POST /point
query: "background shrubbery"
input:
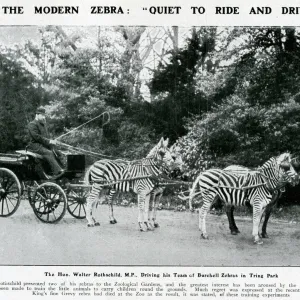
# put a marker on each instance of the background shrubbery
(225, 95)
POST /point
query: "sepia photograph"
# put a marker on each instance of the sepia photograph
(149, 146)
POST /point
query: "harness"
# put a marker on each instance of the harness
(267, 182)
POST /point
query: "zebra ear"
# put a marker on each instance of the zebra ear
(172, 148)
(161, 143)
(166, 142)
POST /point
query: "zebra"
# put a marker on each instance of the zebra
(157, 192)
(241, 170)
(140, 176)
(255, 187)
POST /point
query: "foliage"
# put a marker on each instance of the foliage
(227, 95)
(237, 133)
(173, 85)
(19, 96)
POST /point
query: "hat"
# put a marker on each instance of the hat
(41, 110)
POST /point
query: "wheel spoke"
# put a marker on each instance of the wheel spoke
(45, 198)
(11, 197)
(10, 184)
(10, 190)
(52, 197)
(75, 207)
(7, 198)
(77, 202)
(40, 205)
(45, 192)
(52, 202)
(2, 206)
(6, 202)
(75, 194)
(4, 183)
(84, 209)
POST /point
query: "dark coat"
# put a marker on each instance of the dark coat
(39, 135)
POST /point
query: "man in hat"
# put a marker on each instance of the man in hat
(41, 143)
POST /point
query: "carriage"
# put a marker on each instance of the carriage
(24, 173)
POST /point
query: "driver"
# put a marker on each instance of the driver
(41, 143)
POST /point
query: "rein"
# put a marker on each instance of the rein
(103, 114)
(83, 151)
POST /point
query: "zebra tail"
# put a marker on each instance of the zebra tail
(87, 176)
(193, 190)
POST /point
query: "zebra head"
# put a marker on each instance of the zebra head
(296, 164)
(279, 171)
(162, 155)
(288, 164)
(178, 162)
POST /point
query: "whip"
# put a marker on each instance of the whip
(91, 153)
(103, 114)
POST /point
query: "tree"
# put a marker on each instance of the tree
(19, 97)
(173, 85)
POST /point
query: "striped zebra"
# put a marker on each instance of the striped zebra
(157, 192)
(241, 170)
(255, 187)
(138, 176)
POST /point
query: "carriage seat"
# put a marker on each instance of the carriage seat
(29, 153)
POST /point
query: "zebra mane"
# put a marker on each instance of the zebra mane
(237, 168)
(283, 157)
(277, 160)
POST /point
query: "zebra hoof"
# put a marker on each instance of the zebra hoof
(97, 224)
(90, 225)
(150, 228)
(204, 236)
(113, 221)
(142, 228)
(156, 225)
(264, 235)
(258, 242)
(235, 232)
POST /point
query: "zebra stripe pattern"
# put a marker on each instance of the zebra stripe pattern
(255, 187)
(241, 170)
(157, 192)
(138, 176)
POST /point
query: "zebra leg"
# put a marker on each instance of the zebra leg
(141, 216)
(110, 197)
(207, 201)
(91, 202)
(146, 212)
(258, 211)
(154, 200)
(232, 226)
(268, 211)
(151, 207)
(94, 205)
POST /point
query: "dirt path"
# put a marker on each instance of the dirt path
(27, 241)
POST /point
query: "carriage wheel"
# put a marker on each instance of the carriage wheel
(77, 202)
(49, 202)
(10, 192)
